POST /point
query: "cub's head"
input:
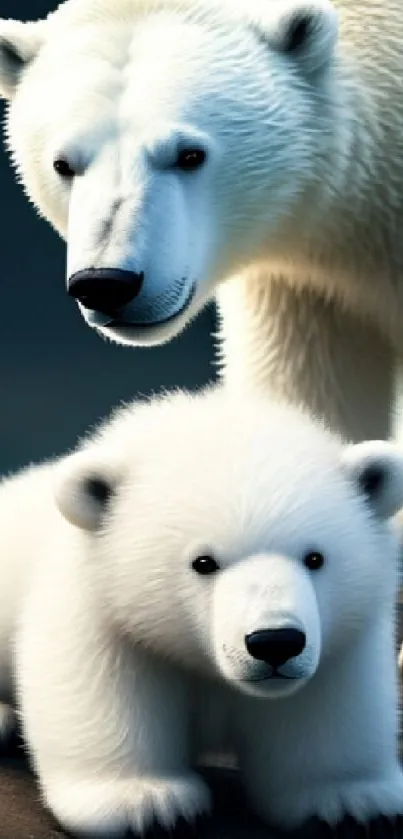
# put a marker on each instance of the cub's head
(237, 539)
(170, 144)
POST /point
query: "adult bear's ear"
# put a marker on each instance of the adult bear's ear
(377, 471)
(84, 485)
(19, 44)
(304, 30)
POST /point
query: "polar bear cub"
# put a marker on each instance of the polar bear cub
(212, 552)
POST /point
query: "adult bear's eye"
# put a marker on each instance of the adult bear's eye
(314, 560)
(299, 32)
(205, 564)
(190, 159)
(63, 168)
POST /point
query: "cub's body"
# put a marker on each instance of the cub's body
(220, 573)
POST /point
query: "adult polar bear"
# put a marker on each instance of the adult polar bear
(178, 143)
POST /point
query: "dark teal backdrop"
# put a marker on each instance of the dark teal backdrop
(57, 377)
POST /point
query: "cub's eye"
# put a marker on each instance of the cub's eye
(314, 561)
(205, 564)
(98, 489)
(63, 168)
(190, 159)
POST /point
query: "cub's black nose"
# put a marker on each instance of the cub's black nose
(275, 646)
(104, 290)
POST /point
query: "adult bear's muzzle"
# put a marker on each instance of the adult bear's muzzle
(105, 290)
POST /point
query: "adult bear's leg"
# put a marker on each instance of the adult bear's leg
(298, 346)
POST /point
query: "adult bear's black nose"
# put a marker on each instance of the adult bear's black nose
(104, 290)
(275, 646)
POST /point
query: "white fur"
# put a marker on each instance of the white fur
(300, 200)
(303, 180)
(120, 647)
(120, 117)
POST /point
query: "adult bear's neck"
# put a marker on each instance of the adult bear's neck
(296, 345)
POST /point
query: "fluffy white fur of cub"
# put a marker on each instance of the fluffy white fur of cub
(217, 558)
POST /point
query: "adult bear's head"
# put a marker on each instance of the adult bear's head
(169, 142)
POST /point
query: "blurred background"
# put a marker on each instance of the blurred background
(57, 376)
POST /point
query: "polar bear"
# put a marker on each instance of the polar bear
(262, 148)
(216, 559)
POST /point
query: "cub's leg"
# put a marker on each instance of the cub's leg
(106, 725)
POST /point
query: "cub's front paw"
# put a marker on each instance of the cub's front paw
(105, 808)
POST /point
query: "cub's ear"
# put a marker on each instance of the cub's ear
(304, 30)
(377, 470)
(84, 485)
(19, 44)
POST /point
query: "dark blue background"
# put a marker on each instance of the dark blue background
(56, 375)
